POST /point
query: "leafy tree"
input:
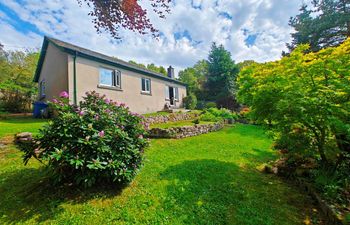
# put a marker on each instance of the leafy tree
(328, 24)
(305, 99)
(111, 15)
(152, 67)
(221, 76)
(16, 86)
(195, 78)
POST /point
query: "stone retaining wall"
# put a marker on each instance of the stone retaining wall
(172, 117)
(185, 131)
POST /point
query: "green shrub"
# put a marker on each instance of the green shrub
(99, 141)
(190, 101)
(196, 121)
(209, 105)
(214, 114)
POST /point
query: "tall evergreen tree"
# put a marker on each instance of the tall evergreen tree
(222, 72)
(328, 24)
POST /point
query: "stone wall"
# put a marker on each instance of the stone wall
(172, 117)
(185, 131)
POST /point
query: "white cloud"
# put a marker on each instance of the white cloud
(229, 22)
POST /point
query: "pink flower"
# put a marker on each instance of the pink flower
(97, 117)
(107, 101)
(122, 104)
(81, 113)
(64, 94)
(140, 136)
(54, 101)
(101, 133)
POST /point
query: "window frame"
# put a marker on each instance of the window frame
(115, 78)
(150, 85)
(42, 89)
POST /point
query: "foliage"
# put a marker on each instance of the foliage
(176, 186)
(209, 105)
(221, 77)
(17, 90)
(181, 123)
(195, 78)
(99, 141)
(326, 25)
(190, 101)
(215, 114)
(304, 98)
(196, 121)
(129, 14)
(151, 67)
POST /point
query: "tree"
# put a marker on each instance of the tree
(195, 78)
(325, 26)
(305, 99)
(16, 81)
(151, 67)
(111, 15)
(221, 76)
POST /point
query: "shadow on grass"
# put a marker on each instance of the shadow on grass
(215, 192)
(27, 194)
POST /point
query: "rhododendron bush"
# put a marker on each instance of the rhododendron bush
(96, 142)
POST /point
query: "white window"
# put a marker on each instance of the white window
(42, 89)
(110, 77)
(176, 94)
(167, 96)
(146, 85)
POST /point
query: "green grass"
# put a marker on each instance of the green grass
(177, 124)
(155, 114)
(12, 125)
(207, 179)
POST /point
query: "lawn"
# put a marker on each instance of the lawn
(177, 124)
(208, 179)
(12, 125)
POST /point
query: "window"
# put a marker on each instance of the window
(167, 96)
(176, 90)
(172, 92)
(42, 89)
(145, 85)
(110, 77)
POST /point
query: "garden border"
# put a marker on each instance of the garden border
(184, 131)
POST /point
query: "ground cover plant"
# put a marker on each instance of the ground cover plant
(304, 99)
(179, 124)
(208, 179)
(99, 141)
(214, 115)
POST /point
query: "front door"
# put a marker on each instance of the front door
(171, 95)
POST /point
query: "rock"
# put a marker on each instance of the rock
(23, 137)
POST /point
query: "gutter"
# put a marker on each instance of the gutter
(75, 78)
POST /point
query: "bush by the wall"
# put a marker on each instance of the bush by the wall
(190, 101)
(214, 114)
(99, 141)
(209, 105)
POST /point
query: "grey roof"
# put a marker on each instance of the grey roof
(92, 55)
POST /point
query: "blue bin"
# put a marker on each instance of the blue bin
(39, 108)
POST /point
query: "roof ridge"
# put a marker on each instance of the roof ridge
(109, 56)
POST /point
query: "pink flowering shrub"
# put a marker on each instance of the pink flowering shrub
(96, 142)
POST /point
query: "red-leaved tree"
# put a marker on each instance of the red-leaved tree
(111, 15)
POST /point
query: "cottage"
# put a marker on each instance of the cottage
(66, 67)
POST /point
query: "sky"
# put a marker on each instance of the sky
(249, 29)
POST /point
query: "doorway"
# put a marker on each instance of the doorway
(171, 95)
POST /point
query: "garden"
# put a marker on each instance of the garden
(207, 179)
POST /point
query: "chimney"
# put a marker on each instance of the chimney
(171, 73)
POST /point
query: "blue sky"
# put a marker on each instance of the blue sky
(249, 29)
